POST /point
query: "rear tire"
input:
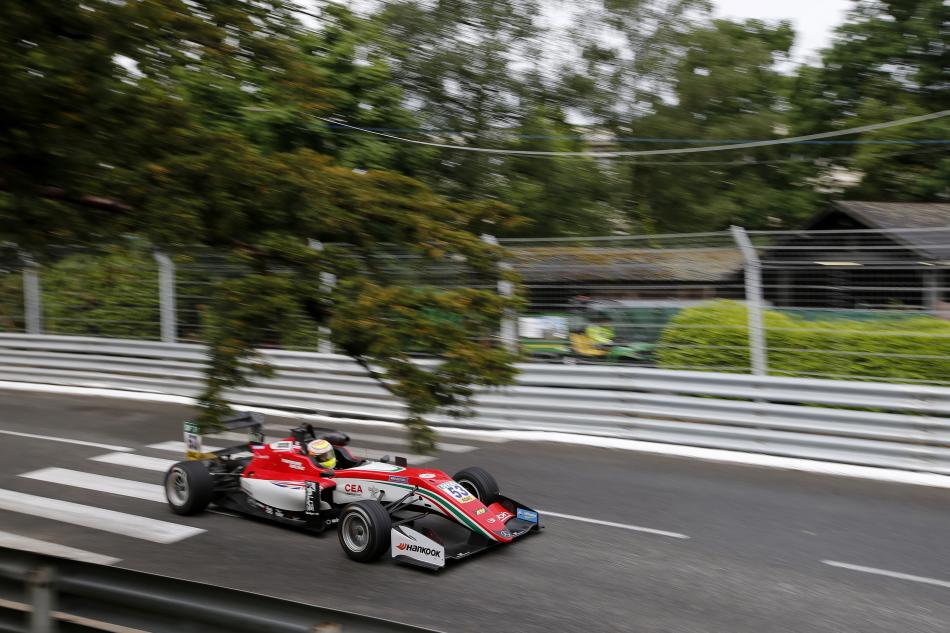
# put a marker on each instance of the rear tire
(189, 487)
(364, 530)
(479, 482)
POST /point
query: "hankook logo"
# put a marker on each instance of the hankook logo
(406, 547)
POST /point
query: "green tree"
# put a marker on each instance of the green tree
(889, 60)
(556, 196)
(727, 86)
(178, 121)
(494, 73)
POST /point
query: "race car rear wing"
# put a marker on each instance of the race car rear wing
(252, 421)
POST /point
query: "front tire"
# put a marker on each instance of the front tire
(479, 482)
(364, 530)
(189, 487)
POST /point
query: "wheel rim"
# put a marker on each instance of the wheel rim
(471, 487)
(176, 487)
(355, 530)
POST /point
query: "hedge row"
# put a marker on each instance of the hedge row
(714, 337)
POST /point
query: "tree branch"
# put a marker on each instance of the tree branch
(59, 193)
(95, 202)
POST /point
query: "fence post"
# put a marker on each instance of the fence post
(32, 298)
(166, 297)
(932, 291)
(327, 283)
(40, 587)
(753, 300)
(508, 332)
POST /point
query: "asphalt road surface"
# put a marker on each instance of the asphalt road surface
(675, 544)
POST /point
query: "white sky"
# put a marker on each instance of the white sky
(814, 20)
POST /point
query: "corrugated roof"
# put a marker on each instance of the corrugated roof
(905, 215)
(551, 264)
(899, 215)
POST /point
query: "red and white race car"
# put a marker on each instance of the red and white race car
(422, 516)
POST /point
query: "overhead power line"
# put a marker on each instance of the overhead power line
(637, 139)
(655, 152)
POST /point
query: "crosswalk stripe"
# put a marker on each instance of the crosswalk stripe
(135, 461)
(66, 440)
(97, 518)
(99, 483)
(27, 544)
(399, 441)
(179, 447)
(374, 454)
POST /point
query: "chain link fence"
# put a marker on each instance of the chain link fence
(852, 304)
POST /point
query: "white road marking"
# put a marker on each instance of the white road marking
(99, 483)
(179, 447)
(873, 473)
(25, 543)
(890, 574)
(491, 437)
(96, 518)
(374, 454)
(623, 526)
(135, 461)
(66, 440)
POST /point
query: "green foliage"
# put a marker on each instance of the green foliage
(889, 60)
(482, 73)
(113, 294)
(11, 301)
(714, 337)
(197, 122)
(727, 86)
(206, 122)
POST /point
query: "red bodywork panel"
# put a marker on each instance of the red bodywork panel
(286, 461)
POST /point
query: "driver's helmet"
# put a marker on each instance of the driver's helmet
(322, 453)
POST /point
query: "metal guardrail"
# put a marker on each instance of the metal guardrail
(42, 594)
(868, 423)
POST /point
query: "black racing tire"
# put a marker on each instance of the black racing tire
(479, 482)
(364, 530)
(189, 487)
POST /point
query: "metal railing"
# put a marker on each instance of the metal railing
(855, 304)
(42, 594)
(876, 424)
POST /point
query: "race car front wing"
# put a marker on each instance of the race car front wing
(410, 546)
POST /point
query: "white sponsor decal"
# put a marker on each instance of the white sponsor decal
(293, 464)
(283, 445)
(427, 476)
(457, 491)
(407, 543)
(353, 489)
